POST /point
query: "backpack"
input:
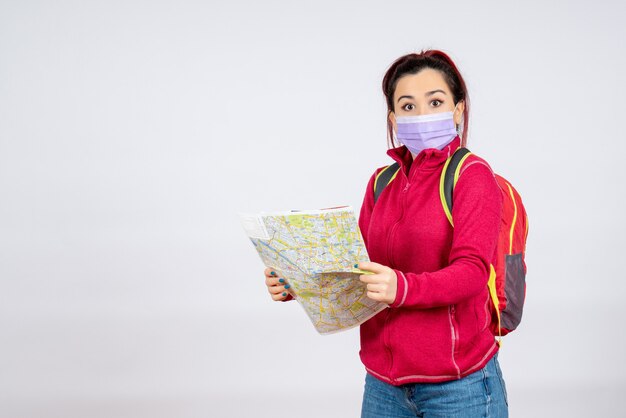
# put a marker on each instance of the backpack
(507, 279)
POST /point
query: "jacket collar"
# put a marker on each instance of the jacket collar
(430, 158)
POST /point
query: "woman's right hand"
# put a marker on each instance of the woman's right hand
(275, 285)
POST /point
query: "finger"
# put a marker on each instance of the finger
(275, 281)
(375, 296)
(280, 296)
(274, 290)
(376, 288)
(270, 272)
(371, 278)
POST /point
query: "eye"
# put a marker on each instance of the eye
(408, 107)
(436, 103)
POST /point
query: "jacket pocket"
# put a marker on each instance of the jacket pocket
(454, 334)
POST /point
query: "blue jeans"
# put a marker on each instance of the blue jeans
(480, 394)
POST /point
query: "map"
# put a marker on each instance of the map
(315, 251)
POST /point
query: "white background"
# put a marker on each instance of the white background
(133, 132)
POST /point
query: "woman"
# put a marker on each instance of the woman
(431, 353)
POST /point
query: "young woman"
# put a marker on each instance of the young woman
(431, 353)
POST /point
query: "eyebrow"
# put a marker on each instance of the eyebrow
(430, 93)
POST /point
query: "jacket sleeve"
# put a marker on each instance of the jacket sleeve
(367, 206)
(476, 212)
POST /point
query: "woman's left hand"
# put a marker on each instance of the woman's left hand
(382, 285)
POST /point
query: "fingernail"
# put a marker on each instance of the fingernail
(273, 273)
(287, 286)
(284, 293)
(281, 280)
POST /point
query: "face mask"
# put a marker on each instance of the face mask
(426, 131)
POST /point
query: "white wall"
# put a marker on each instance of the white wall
(132, 132)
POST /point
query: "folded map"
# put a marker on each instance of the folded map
(315, 251)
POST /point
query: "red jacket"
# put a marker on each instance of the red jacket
(437, 329)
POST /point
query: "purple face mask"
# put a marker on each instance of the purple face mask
(420, 132)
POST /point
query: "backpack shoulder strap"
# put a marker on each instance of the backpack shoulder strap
(449, 177)
(383, 178)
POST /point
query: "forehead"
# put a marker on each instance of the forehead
(420, 83)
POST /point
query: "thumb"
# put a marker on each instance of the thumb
(370, 266)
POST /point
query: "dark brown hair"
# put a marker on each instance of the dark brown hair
(414, 63)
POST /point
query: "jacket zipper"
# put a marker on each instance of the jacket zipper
(404, 194)
(395, 225)
(389, 255)
(454, 335)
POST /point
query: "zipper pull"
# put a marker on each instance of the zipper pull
(406, 187)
